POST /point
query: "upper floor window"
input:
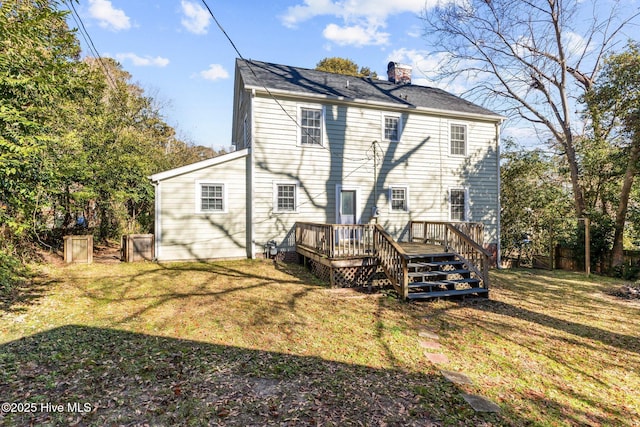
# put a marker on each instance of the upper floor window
(458, 136)
(391, 128)
(458, 204)
(311, 125)
(211, 197)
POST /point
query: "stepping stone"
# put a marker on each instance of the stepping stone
(428, 334)
(456, 377)
(480, 404)
(432, 345)
(436, 358)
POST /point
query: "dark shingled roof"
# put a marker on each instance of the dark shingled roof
(320, 83)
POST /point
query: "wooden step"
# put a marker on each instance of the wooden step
(441, 263)
(448, 293)
(436, 273)
(469, 280)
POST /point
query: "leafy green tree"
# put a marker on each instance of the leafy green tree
(38, 73)
(536, 202)
(344, 66)
(615, 105)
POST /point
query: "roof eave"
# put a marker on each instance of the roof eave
(198, 165)
(490, 117)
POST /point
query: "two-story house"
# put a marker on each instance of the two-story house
(318, 147)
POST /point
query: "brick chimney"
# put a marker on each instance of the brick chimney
(399, 73)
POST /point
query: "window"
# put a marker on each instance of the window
(310, 126)
(458, 205)
(399, 198)
(458, 140)
(211, 197)
(391, 128)
(285, 197)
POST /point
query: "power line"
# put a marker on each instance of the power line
(87, 38)
(249, 64)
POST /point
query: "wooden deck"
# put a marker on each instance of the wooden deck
(440, 258)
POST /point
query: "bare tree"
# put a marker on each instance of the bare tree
(529, 59)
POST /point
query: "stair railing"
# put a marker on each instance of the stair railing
(469, 251)
(465, 239)
(393, 260)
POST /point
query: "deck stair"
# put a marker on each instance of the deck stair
(441, 275)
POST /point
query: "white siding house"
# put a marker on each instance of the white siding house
(327, 148)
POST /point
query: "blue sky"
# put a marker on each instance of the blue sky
(177, 53)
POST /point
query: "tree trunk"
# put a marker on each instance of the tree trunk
(617, 256)
(578, 195)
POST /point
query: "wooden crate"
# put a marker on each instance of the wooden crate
(78, 249)
(138, 247)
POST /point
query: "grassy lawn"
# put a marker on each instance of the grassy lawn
(253, 343)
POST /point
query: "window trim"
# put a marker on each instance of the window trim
(466, 139)
(323, 127)
(466, 210)
(296, 194)
(198, 197)
(406, 198)
(383, 122)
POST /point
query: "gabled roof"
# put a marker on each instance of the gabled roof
(199, 165)
(320, 84)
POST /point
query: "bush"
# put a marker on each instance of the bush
(12, 272)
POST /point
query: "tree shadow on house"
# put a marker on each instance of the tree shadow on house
(107, 376)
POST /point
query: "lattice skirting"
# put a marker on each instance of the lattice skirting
(349, 277)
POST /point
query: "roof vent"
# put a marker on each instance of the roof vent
(399, 73)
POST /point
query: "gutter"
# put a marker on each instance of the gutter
(435, 111)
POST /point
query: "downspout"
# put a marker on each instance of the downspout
(156, 219)
(250, 183)
(498, 248)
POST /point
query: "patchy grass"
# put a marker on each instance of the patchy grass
(553, 348)
(253, 343)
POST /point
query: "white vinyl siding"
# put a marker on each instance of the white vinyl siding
(422, 160)
(185, 233)
(458, 138)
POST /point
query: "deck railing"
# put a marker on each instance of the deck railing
(342, 241)
(336, 241)
(463, 238)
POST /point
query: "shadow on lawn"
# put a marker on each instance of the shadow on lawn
(571, 296)
(129, 378)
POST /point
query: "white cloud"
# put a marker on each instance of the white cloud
(214, 72)
(362, 21)
(355, 35)
(140, 61)
(196, 18)
(108, 16)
